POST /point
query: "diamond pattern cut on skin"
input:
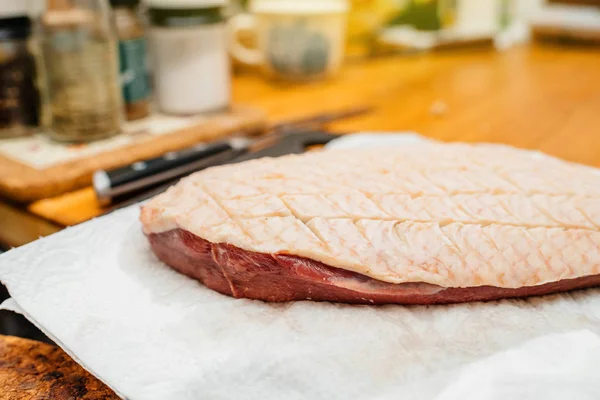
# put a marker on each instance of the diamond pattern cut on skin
(453, 215)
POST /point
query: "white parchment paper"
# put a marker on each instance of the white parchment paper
(151, 333)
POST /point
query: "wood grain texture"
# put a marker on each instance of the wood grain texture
(34, 370)
(538, 97)
(24, 183)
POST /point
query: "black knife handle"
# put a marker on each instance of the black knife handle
(141, 174)
(143, 169)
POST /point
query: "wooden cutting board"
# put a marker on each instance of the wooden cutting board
(35, 370)
(28, 180)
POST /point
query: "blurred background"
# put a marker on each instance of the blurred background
(100, 100)
(87, 66)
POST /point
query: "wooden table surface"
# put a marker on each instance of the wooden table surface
(33, 370)
(538, 96)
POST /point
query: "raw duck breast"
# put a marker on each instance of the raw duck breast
(425, 224)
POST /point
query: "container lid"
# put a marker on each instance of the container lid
(296, 6)
(15, 28)
(185, 4)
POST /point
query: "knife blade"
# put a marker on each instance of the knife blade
(291, 144)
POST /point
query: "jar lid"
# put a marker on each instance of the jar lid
(15, 28)
(185, 4)
(194, 15)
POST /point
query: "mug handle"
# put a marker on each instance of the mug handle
(237, 24)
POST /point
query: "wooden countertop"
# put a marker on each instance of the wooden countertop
(538, 96)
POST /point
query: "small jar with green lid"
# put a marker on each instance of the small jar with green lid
(132, 58)
(190, 58)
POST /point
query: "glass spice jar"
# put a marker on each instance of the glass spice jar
(19, 95)
(132, 56)
(80, 54)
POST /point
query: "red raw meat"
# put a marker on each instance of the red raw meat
(280, 277)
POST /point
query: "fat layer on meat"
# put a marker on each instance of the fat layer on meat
(451, 215)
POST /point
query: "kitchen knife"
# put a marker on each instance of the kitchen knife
(111, 184)
(114, 184)
(292, 144)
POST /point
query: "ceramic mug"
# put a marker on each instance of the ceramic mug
(296, 39)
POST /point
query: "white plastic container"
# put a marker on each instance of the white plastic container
(189, 49)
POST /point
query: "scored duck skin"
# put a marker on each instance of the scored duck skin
(430, 223)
